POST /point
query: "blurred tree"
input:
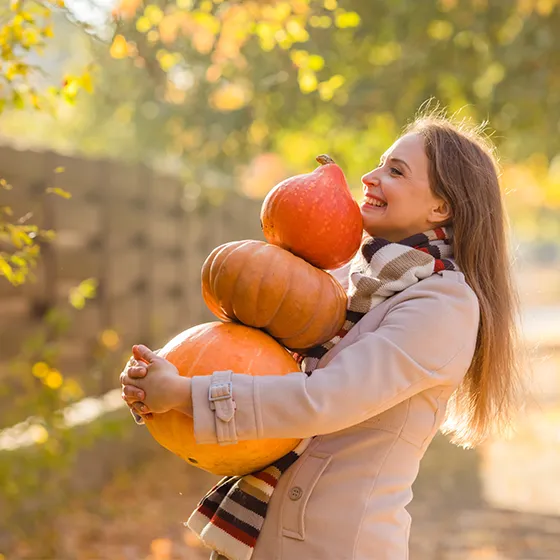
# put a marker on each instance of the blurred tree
(25, 29)
(215, 88)
(33, 389)
(214, 84)
(218, 80)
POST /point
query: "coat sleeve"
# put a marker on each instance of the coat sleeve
(426, 339)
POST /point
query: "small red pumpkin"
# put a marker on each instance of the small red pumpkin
(264, 286)
(314, 216)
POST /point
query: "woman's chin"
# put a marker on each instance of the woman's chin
(375, 228)
(373, 220)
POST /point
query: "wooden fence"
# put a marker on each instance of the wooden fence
(129, 228)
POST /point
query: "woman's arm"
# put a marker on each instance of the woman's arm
(426, 339)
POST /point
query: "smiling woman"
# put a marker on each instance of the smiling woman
(428, 344)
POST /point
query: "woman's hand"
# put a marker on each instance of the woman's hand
(154, 385)
(133, 396)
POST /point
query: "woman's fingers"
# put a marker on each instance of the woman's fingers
(132, 394)
(141, 408)
(126, 379)
(143, 353)
(137, 372)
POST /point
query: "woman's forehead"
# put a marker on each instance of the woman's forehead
(411, 144)
(409, 148)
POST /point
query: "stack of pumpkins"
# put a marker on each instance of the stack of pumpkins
(270, 298)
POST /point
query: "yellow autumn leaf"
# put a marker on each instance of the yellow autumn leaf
(440, 30)
(87, 82)
(296, 31)
(154, 14)
(152, 36)
(143, 24)
(71, 390)
(299, 58)
(53, 379)
(88, 288)
(110, 339)
(323, 22)
(167, 60)
(119, 48)
(127, 8)
(85, 290)
(39, 433)
(347, 19)
(316, 62)
(40, 370)
(230, 97)
(6, 270)
(169, 28)
(58, 191)
(307, 81)
(77, 300)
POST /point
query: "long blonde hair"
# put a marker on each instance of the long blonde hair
(463, 171)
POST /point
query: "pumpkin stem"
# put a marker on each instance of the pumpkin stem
(323, 159)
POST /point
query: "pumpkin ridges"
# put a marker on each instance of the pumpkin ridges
(310, 272)
(308, 334)
(208, 295)
(224, 300)
(287, 288)
(230, 282)
(312, 318)
(249, 315)
(215, 263)
(338, 307)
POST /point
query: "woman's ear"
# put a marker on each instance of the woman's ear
(441, 212)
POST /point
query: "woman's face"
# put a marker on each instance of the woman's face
(398, 201)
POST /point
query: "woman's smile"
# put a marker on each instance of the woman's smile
(372, 202)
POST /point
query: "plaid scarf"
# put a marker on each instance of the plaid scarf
(231, 515)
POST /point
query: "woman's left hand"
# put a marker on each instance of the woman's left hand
(158, 379)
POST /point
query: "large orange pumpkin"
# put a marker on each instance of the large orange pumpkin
(314, 216)
(202, 350)
(264, 286)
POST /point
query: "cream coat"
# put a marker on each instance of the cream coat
(375, 404)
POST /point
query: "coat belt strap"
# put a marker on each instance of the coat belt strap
(220, 395)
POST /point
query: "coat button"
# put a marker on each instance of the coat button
(295, 493)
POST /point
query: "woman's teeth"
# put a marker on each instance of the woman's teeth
(374, 201)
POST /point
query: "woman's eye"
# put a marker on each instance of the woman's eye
(395, 171)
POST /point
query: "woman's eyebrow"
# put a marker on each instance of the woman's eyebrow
(398, 160)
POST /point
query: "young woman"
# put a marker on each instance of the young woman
(429, 345)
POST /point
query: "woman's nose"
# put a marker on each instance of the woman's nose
(370, 179)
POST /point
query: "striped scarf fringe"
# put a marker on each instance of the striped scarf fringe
(230, 517)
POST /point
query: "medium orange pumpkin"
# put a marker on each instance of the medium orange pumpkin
(264, 286)
(314, 216)
(202, 350)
